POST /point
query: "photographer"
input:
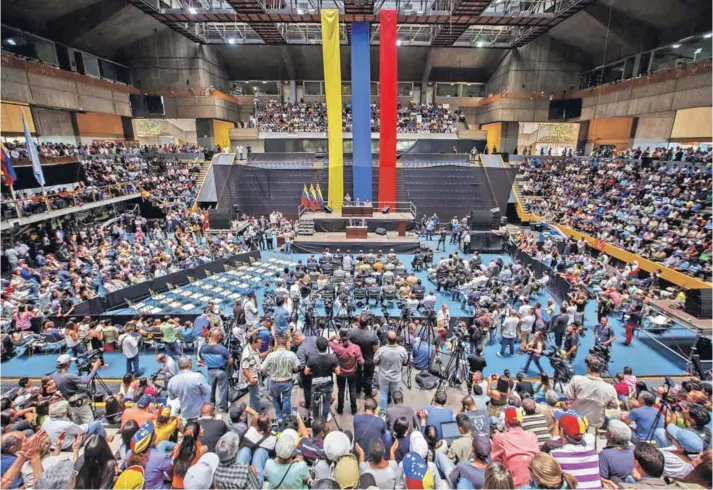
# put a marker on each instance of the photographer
(534, 351)
(603, 335)
(350, 358)
(571, 342)
(68, 384)
(591, 395)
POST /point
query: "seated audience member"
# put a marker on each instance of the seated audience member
(231, 473)
(546, 472)
(644, 417)
(368, 425)
(577, 451)
(187, 453)
(472, 471)
(437, 413)
(616, 461)
(59, 423)
(141, 413)
(96, 468)
(398, 409)
(212, 428)
(515, 448)
(649, 466)
(478, 415)
(284, 471)
(386, 472)
(497, 476)
(534, 422)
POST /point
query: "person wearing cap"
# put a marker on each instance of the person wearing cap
(170, 367)
(144, 454)
(684, 445)
(471, 471)
(200, 475)
(284, 471)
(693, 416)
(230, 473)
(141, 413)
(577, 455)
(189, 388)
(68, 384)
(58, 423)
(515, 447)
(217, 359)
(616, 461)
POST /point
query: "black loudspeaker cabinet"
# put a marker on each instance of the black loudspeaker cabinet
(220, 218)
(481, 220)
(698, 303)
(327, 209)
(439, 364)
(385, 209)
(380, 231)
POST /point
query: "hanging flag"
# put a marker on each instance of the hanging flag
(7, 169)
(320, 199)
(305, 197)
(34, 156)
(313, 197)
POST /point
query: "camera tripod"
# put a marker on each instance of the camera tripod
(454, 373)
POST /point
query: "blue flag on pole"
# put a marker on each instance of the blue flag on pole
(32, 152)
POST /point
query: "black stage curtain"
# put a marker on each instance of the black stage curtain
(99, 305)
(557, 286)
(333, 225)
(315, 247)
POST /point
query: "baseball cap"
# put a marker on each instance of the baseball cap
(64, 359)
(573, 424)
(285, 446)
(144, 401)
(346, 471)
(131, 478)
(482, 445)
(513, 415)
(142, 439)
(688, 440)
(336, 444)
(164, 412)
(200, 475)
(250, 292)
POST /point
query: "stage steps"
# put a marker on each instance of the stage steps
(306, 227)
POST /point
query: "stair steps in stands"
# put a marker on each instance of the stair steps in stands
(205, 166)
(306, 226)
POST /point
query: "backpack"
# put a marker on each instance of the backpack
(426, 381)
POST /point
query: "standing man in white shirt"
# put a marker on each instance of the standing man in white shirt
(508, 331)
(129, 345)
(252, 314)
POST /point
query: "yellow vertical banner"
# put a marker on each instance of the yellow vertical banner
(333, 92)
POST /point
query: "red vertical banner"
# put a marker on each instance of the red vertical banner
(388, 100)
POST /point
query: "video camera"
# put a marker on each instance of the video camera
(84, 361)
(602, 351)
(561, 365)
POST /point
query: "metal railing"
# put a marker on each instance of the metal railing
(45, 203)
(395, 207)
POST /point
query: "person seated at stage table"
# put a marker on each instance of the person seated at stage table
(347, 199)
(367, 202)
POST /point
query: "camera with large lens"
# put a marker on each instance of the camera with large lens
(561, 365)
(601, 350)
(84, 361)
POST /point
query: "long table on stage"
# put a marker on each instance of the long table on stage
(357, 232)
(358, 210)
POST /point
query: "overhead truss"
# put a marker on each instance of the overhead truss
(458, 23)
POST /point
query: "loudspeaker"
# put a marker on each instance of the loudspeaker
(326, 208)
(698, 303)
(481, 220)
(219, 219)
(385, 209)
(704, 348)
(440, 361)
(380, 231)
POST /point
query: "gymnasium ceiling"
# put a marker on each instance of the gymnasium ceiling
(593, 30)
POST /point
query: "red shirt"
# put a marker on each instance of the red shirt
(515, 449)
(622, 389)
(349, 356)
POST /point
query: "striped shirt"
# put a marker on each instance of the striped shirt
(281, 364)
(582, 462)
(537, 423)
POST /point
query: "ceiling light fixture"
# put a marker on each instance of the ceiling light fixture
(231, 40)
(192, 10)
(675, 46)
(708, 36)
(480, 44)
(398, 42)
(11, 42)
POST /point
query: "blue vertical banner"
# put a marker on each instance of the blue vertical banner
(361, 110)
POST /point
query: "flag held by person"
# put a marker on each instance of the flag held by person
(34, 156)
(8, 171)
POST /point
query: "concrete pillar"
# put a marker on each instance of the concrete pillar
(293, 91)
(508, 137)
(204, 133)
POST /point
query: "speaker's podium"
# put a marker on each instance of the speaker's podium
(357, 232)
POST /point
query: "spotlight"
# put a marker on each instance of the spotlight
(300, 12)
(675, 46)
(480, 44)
(192, 10)
(708, 36)
(231, 40)
(11, 42)
(398, 42)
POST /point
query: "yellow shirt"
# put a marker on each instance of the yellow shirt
(165, 431)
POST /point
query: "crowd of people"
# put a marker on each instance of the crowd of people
(653, 209)
(181, 430)
(691, 154)
(18, 149)
(276, 117)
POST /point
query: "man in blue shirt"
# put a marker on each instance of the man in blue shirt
(189, 388)
(421, 354)
(282, 317)
(644, 417)
(216, 358)
(11, 444)
(437, 413)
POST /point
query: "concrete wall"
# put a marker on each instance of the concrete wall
(505, 109)
(32, 88)
(654, 130)
(197, 107)
(543, 65)
(168, 59)
(654, 98)
(54, 125)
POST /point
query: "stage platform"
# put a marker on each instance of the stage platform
(335, 222)
(702, 325)
(319, 241)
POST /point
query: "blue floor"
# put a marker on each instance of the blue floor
(643, 356)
